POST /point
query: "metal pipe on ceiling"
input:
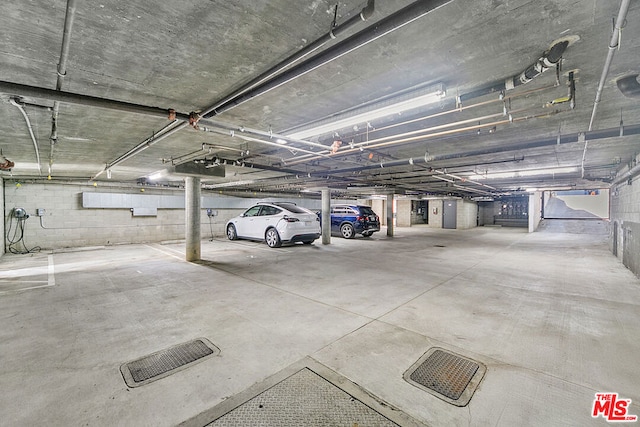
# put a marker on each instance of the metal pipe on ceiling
(548, 59)
(614, 44)
(78, 99)
(336, 31)
(88, 100)
(381, 28)
(630, 174)
(403, 140)
(172, 128)
(545, 142)
(375, 142)
(458, 109)
(62, 73)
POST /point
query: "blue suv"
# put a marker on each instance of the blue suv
(349, 220)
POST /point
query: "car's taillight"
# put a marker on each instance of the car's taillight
(289, 219)
(361, 218)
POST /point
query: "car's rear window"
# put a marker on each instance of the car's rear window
(292, 208)
(366, 210)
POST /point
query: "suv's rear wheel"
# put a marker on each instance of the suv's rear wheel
(272, 238)
(347, 231)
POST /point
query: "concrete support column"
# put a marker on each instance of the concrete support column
(326, 216)
(390, 215)
(192, 218)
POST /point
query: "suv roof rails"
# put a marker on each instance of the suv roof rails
(263, 202)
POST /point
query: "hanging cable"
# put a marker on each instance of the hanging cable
(15, 236)
(33, 138)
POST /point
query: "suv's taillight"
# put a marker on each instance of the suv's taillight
(289, 219)
(361, 218)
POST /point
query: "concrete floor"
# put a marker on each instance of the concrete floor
(553, 315)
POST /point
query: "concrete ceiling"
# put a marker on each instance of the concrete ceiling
(193, 55)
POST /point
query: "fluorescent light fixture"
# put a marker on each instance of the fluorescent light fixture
(374, 110)
(525, 173)
(155, 176)
(281, 141)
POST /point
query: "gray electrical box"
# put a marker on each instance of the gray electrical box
(39, 212)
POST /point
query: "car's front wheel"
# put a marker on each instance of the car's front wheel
(231, 232)
(272, 238)
(347, 231)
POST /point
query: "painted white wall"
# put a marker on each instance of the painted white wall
(596, 204)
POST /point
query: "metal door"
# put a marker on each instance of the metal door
(449, 214)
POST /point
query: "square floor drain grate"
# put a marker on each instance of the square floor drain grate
(303, 399)
(166, 362)
(450, 377)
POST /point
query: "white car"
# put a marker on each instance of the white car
(276, 223)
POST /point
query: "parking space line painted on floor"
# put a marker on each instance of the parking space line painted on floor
(10, 286)
(51, 277)
(167, 251)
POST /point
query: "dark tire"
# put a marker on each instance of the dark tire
(347, 231)
(272, 238)
(231, 232)
(308, 242)
(366, 234)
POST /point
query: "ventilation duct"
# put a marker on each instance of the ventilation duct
(629, 86)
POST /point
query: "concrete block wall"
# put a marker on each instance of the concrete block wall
(379, 208)
(435, 213)
(67, 224)
(467, 214)
(625, 223)
(403, 214)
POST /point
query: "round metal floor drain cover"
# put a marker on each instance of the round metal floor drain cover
(450, 377)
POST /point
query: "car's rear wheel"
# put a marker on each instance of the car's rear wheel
(231, 232)
(307, 242)
(347, 231)
(272, 238)
(367, 234)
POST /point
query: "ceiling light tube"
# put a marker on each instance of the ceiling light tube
(372, 111)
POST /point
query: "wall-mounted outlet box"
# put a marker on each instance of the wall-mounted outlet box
(39, 212)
